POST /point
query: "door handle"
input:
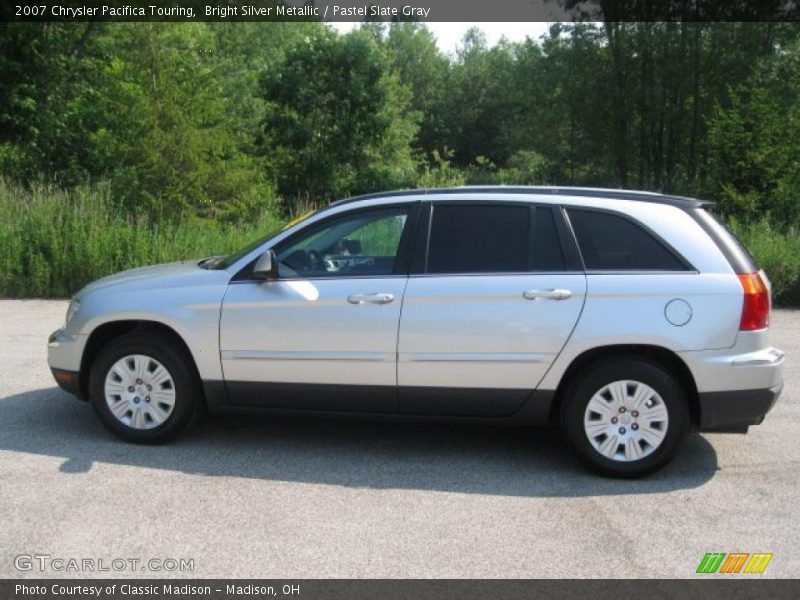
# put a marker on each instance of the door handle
(382, 298)
(556, 294)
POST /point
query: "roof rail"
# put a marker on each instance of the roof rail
(607, 193)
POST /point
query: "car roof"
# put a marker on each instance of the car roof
(588, 192)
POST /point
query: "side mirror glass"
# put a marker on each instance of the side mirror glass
(266, 266)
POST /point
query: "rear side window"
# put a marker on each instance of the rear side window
(610, 242)
(473, 238)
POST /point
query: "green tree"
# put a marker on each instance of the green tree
(480, 115)
(425, 70)
(42, 71)
(186, 159)
(563, 91)
(338, 119)
(155, 108)
(754, 163)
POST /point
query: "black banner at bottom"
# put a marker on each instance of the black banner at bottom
(388, 589)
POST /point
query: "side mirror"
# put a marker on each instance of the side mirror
(266, 266)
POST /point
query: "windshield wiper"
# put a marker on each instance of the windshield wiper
(210, 262)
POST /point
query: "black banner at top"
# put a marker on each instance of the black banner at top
(398, 10)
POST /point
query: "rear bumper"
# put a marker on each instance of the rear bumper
(735, 368)
(736, 386)
(735, 411)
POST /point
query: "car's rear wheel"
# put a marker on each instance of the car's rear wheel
(625, 417)
(143, 388)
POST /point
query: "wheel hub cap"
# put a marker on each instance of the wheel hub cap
(626, 420)
(139, 391)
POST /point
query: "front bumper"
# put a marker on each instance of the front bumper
(735, 411)
(69, 381)
(64, 352)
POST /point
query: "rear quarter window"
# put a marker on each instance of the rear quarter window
(738, 256)
(610, 242)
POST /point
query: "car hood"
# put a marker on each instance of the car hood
(176, 274)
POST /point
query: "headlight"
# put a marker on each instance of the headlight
(74, 305)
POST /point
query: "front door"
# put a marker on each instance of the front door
(323, 335)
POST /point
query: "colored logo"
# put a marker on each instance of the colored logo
(735, 562)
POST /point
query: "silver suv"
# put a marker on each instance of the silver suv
(625, 316)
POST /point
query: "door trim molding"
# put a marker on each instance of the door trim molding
(505, 357)
(310, 356)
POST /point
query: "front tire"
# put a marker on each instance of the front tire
(144, 389)
(625, 417)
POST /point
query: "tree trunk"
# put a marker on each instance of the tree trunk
(691, 170)
(621, 110)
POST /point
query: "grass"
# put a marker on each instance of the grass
(778, 253)
(53, 242)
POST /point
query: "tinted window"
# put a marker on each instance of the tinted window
(614, 243)
(357, 244)
(478, 239)
(547, 252)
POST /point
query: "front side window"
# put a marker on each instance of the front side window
(470, 238)
(613, 243)
(362, 244)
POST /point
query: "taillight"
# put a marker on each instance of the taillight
(755, 311)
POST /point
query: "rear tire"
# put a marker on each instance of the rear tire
(144, 388)
(625, 416)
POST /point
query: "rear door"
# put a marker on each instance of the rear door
(497, 296)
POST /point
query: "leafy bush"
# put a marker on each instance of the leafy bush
(440, 173)
(526, 167)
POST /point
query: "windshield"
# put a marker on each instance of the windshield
(223, 262)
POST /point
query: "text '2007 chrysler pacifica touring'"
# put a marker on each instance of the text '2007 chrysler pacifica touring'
(627, 317)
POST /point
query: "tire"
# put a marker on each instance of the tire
(625, 416)
(119, 392)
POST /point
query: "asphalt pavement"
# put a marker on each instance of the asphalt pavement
(306, 498)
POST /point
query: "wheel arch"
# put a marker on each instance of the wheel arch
(106, 332)
(659, 355)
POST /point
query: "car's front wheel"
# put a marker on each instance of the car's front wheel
(625, 417)
(143, 388)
